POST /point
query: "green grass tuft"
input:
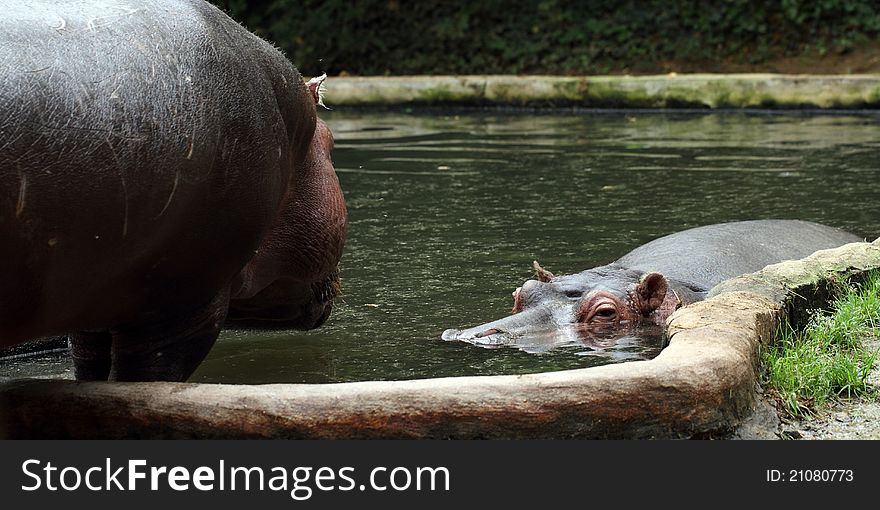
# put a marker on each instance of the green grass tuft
(828, 360)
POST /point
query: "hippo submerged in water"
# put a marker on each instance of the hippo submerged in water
(160, 168)
(645, 286)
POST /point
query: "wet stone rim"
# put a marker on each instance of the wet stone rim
(702, 384)
(658, 91)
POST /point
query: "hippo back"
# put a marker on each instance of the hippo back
(702, 257)
(145, 148)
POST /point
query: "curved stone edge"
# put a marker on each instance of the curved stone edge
(702, 384)
(659, 91)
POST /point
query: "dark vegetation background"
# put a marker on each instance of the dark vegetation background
(378, 37)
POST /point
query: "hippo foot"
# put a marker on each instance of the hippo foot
(90, 351)
(165, 348)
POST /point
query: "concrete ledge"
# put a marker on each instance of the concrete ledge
(702, 384)
(662, 91)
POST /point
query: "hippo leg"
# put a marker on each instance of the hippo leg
(90, 351)
(167, 348)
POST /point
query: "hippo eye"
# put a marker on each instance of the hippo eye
(605, 313)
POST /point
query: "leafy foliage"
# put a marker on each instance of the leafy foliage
(375, 37)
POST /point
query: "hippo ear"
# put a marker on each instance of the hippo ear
(542, 274)
(317, 88)
(652, 291)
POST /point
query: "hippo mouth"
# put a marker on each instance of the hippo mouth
(286, 305)
(491, 337)
(535, 339)
(507, 331)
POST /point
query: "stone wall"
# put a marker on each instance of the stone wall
(663, 91)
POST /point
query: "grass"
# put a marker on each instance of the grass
(828, 360)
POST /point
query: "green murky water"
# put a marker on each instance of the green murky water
(447, 213)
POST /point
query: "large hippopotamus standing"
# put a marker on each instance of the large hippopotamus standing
(160, 168)
(647, 284)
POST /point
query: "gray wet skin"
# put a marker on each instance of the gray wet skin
(647, 284)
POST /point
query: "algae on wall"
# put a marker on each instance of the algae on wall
(662, 91)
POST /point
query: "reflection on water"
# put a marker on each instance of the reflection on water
(611, 343)
(447, 214)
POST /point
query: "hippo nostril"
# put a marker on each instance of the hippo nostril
(488, 332)
(450, 334)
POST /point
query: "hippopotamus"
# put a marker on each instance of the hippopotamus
(644, 287)
(161, 169)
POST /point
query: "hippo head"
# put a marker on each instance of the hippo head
(602, 302)
(291, 281)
